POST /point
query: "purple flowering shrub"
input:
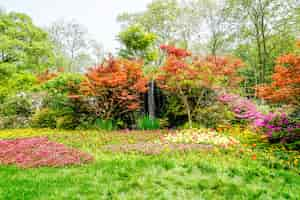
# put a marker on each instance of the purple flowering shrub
(38, 152)
(278, 127)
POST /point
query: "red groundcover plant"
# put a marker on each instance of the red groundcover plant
(116, 87)
(38, 152)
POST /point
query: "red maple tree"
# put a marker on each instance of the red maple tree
(182, 75)
(115, 86)
(285, 86)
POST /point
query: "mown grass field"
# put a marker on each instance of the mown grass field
(245, 172)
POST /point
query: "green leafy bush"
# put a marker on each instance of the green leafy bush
(16, 83)
(16, 111)
(64, 83)
(17, 105)
(45, 118)
(148, 123)
(14, 121)
(213, 115)
(66, 122)
(206, 111)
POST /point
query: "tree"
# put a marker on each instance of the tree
(70, 39)
(260, 25)
(97, 52)
(181, 78)
(137, 43)
(192, 80)
(115, 86)
(218, 29)
(23, 44)
(159, 18)
(285, 86)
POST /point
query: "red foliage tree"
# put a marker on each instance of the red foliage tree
(183, 75)
(285, 87)
(225, 68)
(116, 86)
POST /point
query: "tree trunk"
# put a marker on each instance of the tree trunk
(188, 110)
(151, 100)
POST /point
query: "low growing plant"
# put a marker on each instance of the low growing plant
(148, 123)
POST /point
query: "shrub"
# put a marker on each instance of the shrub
(64, 83)
(286, 80)
(45, 118)
(16, 111)
(214, 115)
(17, 83)
(115, 88)
(14, 121)
(20, 104)
(148, 123)
(70, 112)
(66, 122)
(277, 126)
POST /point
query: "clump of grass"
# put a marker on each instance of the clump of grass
(107, 125)
(148, 123)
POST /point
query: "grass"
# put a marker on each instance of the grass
(216, 174)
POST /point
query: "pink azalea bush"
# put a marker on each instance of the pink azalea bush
(38, 152)
(277, 126)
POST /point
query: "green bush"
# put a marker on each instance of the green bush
(63, 84)
(45, 118)
(14, 121)
(147, 123)
(66, 122)
(17, 105)
(16, 83)
(212, 116)
(16, 111)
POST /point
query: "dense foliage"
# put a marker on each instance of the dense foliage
(115, 88)
(285, 86)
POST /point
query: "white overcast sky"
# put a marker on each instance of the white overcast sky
(98, 16)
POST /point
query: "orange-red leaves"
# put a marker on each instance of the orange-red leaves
(286, 81)
(117, 84)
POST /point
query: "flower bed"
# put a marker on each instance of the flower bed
(38, 152)
(199, 136)
(149, 148)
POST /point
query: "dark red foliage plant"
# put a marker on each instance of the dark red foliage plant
(39, 152)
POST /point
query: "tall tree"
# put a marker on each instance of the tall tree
(260, 24)
(70, 39)
(23, 44)
(137, 43)
(159, 18)
(97, 52)
(218, 29)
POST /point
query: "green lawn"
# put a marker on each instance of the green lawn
(215, 174)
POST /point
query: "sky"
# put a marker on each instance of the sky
(98, 16)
